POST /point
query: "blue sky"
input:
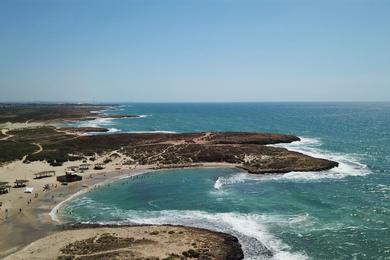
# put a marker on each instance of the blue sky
(123, 50)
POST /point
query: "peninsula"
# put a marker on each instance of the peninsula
(35, 138)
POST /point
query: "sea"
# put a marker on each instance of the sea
(342, 213)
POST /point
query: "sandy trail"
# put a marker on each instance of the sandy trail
(40, 148)
(5, 132)
(203, 139)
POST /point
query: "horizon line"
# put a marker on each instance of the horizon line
(183, 102)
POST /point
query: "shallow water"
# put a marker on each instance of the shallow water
(343, 213)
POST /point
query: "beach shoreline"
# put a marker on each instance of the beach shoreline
(40, 218)
(133, 242)
(28, 217)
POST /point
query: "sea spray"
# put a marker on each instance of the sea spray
(340, 214)
(250, 229)
(348, 164)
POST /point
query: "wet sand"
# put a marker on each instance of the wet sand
(35, 221)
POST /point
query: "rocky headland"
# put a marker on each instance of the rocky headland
(134, 242)
(34, 138)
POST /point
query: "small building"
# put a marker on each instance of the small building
(84, 166)
(70, 172)
(4, 187)
(45, 174)
(20, 183)
(69, 177)
(73, 168)
(99, 166)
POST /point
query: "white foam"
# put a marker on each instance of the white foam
(151, 132)
(250, 229)
(98, 122)
(234, 179)
(55, 210)
(96, 112)
(348, 164)
(110, 131)
(113, 130)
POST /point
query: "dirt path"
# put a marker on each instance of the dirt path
(203, 139)
(4, 132)
(40, 148)
(199, 140)
(162, 152)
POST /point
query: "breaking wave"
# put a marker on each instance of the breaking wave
(151, 132)
(251, 229)
(348, 164)
(98, 122)
(254, 230)
(113, 130)
(236, 178)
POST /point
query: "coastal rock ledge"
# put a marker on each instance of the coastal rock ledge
(250, 151)
(134, 242)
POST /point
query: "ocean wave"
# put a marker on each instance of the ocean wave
(113, 130)
(98, 122)
(54, 212)
(151, 132)
(251, 229)
(96, 112)
(234, 179)
(110, 131)
(348, 164)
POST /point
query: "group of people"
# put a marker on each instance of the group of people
(29, 201)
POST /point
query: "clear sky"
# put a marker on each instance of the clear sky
(216, 50)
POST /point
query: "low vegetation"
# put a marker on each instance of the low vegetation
(165, 149)
(20, 113)
(246, 150)
(11, 151)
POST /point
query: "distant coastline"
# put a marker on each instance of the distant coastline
(65, 147)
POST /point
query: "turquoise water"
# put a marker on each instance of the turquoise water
(343, 213)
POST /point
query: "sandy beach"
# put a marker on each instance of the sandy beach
(28, 213)
(34, 218)
(35, 215)
(29, 204)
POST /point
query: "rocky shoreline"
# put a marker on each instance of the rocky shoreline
(31, 147)
(249, 151)
(171, 242)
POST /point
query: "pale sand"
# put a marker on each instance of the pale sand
(12, 126)
(135, 242)
(16, 199)
(20, 228)
(34, 221)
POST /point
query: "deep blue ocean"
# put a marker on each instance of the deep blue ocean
(343, 213)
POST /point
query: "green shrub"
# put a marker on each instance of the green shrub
(191, 253)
